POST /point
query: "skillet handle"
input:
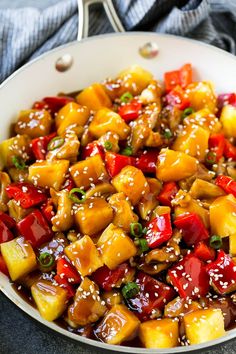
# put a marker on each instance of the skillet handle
(83, 23)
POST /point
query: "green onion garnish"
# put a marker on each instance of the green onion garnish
(136, 229)
(168, 134)
(55, 143)
(127, 151)
(187, 112)
(46, 259)
(18, 162)
(142, 244)
(108, 145)
(130, 290)
(74, 198)
(126, 97)
(210, 158)
(216, 242)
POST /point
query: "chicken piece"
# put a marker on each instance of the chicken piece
(16, 211)
(148, 202)
(112, 138)
(112, 298)
(152, 93)
(34, 123)
(18, 175)
(4, 181)
(72, 114)
(63, 220)
(67, 151)
(103, 190)
(201, 189)
(94, 97)
(160, 210)
(180, 307)
(139, 135)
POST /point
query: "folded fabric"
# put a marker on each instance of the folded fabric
(28, 32)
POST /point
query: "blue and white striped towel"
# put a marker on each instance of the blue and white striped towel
(27, 32)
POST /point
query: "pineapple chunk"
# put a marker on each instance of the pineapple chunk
(72, 114)
(19, 257)
(232, 245)
(223, 216)
(202, 189)
(105, 120)
(68, 151)
(149, 201)
(134, 79)
(159, 333)
(123, 213)
(118, 325)
(228, 120)
(180, 306)
(94, 97)
(93, 216)
(193, 140)
(89, 171)
(48, 173)
(201, 95)
(50, 299)
(204, 325)
(160, 210)
(84, 255)
(116, 247)
(88, 306)
(174, 165)
(132, 183)
(34, 123)
(16, 146)
(205, 119)
(112, 298)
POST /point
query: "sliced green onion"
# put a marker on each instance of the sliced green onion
(136, 229)
(126, 97)
(18, 162)
(127, 151)
(74, 198)
(142, 244)
(210, 158)
(168, 134)
(144, 230)
(130, 290)
(46, 259)
(216, 242)
(108, 145)
(187, 112)
(55, 143)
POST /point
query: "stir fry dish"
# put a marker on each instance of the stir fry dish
(118, 209)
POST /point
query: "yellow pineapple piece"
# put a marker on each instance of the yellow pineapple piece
(134, 79)
(115, 246)
(112, 298)
(174, 165)
(123, 213)
(48, 173)
(87, 306)
(72, 114)
(202, 189)
(17, 146)
(106, 120)
(180, 306)
(160, 210)
(159, 333)
(19, 257)
(89, 171)
(84, 256)
(204, 325)
(34, 123)
(223, 216)
(132, 183)
(118, 325)
(93, 215)
(94, 97)
(228, 120)
(201, 95)
(232, 245)
(205, 119)
(50, 299)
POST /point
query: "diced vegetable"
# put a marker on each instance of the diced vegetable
(3, 266)
(225, 99)
(26, 194)
(130, 111)
(134, 79)
(68, 271)
(53, 103)
(18, 146)
(205, 119)
(115, 162)
(201, 95)
(39, 146)
(5, 234)
(118, 325)
(204, 325)
(115, 246)
(7, 220)
(72, 114)
(217, 145)
(146, 162)
(50, 299)
(229, 150)
(159, 333)
(94, 97)
(204, 252)
(108, 279)
(159, 230)
(228, 120)
(93, 149)
(202, 189)
(34, 123)
(182, 77)
(19, 257)
(168, 192)
(227, 184)
(48, 173)
(177, 97)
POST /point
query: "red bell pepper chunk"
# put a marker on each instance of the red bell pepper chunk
(130, 111)
(227, 184)
(47, 209)
(159, 230)
(152, 296)
(92, 149)
(35, 229)
(216, 144)
(189, 277)
(226, 98)
(65, 285)
(204, 252)
(39, 146)
(68, 271)
(192, 228)
(168, 192)
(54, 104)
(3, 266)
(181, 77)
(115, 162)
(222, 273)
(107, 279)
(68, 185)
(8, 220)
(177, 97)
(230, 151)
(5, 234)
(185, 75)
(146, 162)
(25, 193)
